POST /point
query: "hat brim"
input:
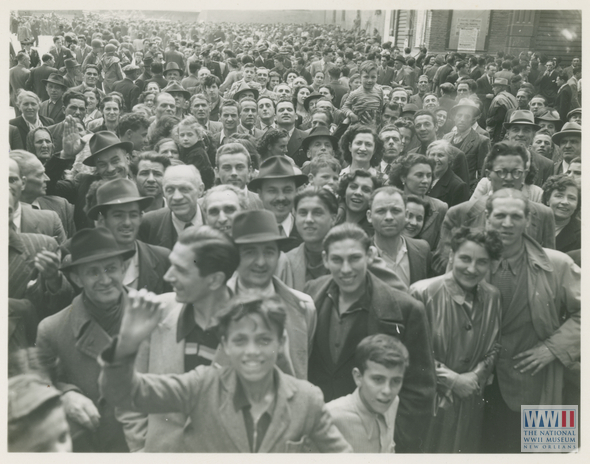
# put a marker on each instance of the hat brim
(507, 125)
(559, 135)
(306, 141)
(454, 109)
(186, 94)
(299, 179)
(240, 92)
(91, 160)
(125, 254)
(144, 202)
(308, 100)
(47, 81)
(166, 72)
(259, 238)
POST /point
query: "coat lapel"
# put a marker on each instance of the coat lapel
(417, 261)
(232, 420)
(91, 339)
(147, 277)
(281, 417)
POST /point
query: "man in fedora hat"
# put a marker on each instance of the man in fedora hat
(466, 138)
(174, 56)
(75, 336)
(39, 74)
(569, 140)
(246, 90)
(172, 72)
(257, 236)
(318, 142)
(276, 185)
(521, 128)
(181, 97)
(72, 71)
(401, 73)
(117, 206)
(109, 156)
(53, 107)
(502, 102)
(575, 115)
(127, 88)
(550, 120)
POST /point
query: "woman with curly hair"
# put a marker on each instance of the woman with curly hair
(413, 174)
(289, 76)
(190, 137)
(355, 190)
(464, 313)
(111, 108)
(361, 149)
(148, 99)
(563, 195)
(273, 143)
(93, 103)
(300, 93)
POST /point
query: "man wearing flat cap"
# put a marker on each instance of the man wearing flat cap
(276, 185)
(74, 337)
(117, 206)
(502, 102)
(127, 88)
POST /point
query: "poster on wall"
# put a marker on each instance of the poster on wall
(467, 40)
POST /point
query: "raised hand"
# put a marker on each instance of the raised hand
(72, 141)
(141, 316)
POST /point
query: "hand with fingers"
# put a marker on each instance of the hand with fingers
(141, 316)
(534, 359)
(72, 141)
(81, 409)
(47, 263)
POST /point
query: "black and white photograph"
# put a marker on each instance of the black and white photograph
(288, 230)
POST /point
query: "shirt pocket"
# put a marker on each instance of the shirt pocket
(301, 446)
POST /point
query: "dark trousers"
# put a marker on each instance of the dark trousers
(501, 425)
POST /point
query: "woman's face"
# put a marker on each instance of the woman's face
(318, 78)
(302, 95)
(415, 215)
(149, 100)
(291, 77)
(111, 111)
(29, 107)
(91, 102)
(563, 203)
(355, 83)
(279, 148)
(542, 145)
(431, 61)
(430, 101)
(358, 194)
(169, 149)
(471, 262)
(418, 180)
(152, 87)
(362, 148)
(441, 161)
(441, 118)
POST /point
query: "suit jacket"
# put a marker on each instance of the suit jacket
(385, 76)
(299, 420)
(63, 208)
(14, 138)
(42, 222)
(73, 340)
(472, 214)
(256, 133)
(294, 147)
(450, 189)
(317, 66)
(420, 259)
(254, 200)
(570, 237)
(129, 91)
(61, 56)
(563, 101)
(82, 53)
(157, 229)
(153, 264)
(484, 87)
(214, 127)
(35, 84)
(394, 313)
(23, 128)
(56, 113)
(476, 147)
(544, 168)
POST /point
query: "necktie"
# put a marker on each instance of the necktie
(282, 231)
(387, 169)
(505, 282)
(187, 225)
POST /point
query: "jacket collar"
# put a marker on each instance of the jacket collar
(535, 254)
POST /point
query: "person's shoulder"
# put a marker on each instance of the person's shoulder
(419, 243)
(154, 216)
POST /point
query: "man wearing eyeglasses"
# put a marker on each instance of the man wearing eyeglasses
(505, 167)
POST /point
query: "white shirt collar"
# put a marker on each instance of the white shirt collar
(267, 291)
(16, 217)
(180, 225)
(288, 224)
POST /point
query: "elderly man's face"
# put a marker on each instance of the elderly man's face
(221, 209)
(182, 190)
(165, 105)
(523, 99)
(320, 146)
(571, 147)
(392, 144)
(521, 133)
(112, 164)
(173, 76)
(102, 281)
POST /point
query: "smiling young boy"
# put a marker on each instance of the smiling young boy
(364, 104)
(366, 417)
(249, 406)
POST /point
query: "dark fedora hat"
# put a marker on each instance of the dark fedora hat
(569, 128)
(102, 141)
(245, 88)
(500, 81)
(117, 192)
(465, 103)
(523, 118)
(172, 66)
(255, 226)
(574, 111)
(312, 96)
(277, 167)
(71, 63)
(130, 68)
(55, 78)
(400, 59)
(89, 245)
(316, 132)
(409, 108)
(175, 87)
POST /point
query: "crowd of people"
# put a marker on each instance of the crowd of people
(286, 238)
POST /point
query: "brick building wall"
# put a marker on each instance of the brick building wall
(437, 35)
(499, 30)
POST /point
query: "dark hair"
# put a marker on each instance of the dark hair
(393, 106)
(347, 178)
(152, 156)
(272, 311)
(96, 93)
(210, 80)
(426, 113)
(133, 122)
(560, 183)
(348, 137)
(194, 66)
(343, 232)
(326, 196)
(489, 239)
(70, 95)
(110, 98)
(213, 250)
(383, 349)
(505, 148)
(156, 68)
(402, 168)
(330, 89)
(419, 201)
(269, 138)
(249, 143)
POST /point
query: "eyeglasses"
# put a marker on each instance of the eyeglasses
(503, 173)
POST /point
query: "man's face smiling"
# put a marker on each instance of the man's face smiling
(347, 261)
(258, 262)
(277, 196)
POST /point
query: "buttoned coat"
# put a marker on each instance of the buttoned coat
(394, 313)
(129, 91)
(450, 189)
(156, 228)
(476, 147)
(35, 82)
(63, 208)
(56, 113)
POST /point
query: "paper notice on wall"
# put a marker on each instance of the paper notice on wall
(467, 39)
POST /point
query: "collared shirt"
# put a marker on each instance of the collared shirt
(287, 225)
(35, 125)
(255, 431)
(269, 290)
(366, 431)
(565, 166)
(342, 324)
(222, 136)
(264, 127)
(179, 225)
(400, 264)
(200, 344)
(131, 277)
(16, 217)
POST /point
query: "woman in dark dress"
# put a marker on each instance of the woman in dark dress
(562, 194)
(446, 185)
